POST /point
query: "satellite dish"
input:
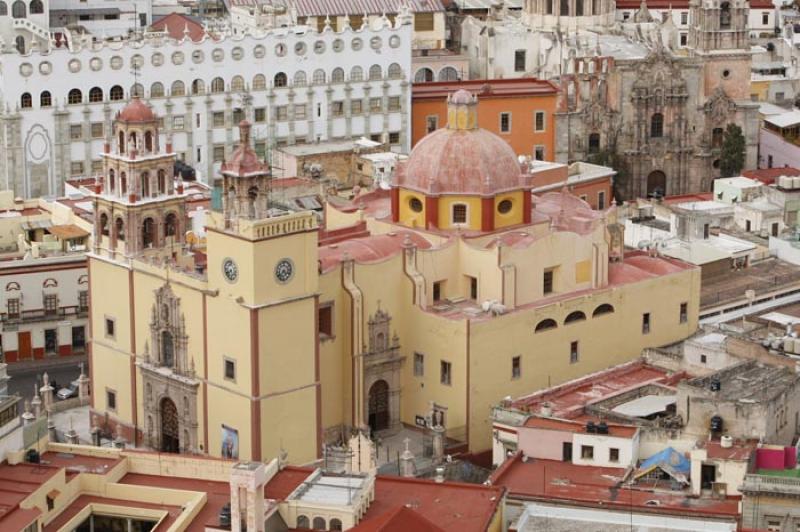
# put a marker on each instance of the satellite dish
(643, 244)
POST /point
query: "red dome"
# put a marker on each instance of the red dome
(136, 111)
(244, 160)
(462, 161)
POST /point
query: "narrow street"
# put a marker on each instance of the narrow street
(62, 371)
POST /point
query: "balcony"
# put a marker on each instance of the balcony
(787, 486)
(38, 315)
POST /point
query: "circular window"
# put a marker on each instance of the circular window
(394, 41)
(157, 59)
(197, 56)
(415, 204)
(726, 74)
(357, 43)
(338, 45)
(237, 53)
(375, 43)
(280, 50)
(300, 48)
(217, 55)
(116, 62)
(504, 207)
(95, 63)
(137, 61)
(715, 164)
(319, 47)
(259, 51)
(74, 65)
(26, 69)
(177, 58)
(45, 68)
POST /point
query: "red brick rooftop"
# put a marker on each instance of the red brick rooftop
(484, 88)
(769, 175)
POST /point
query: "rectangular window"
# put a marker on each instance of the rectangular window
(547, 281)
(111, 399)
(356, 21)
(325, 320)
(300, 111)
(376, 137)
(601, 200)
(394, 103)
(626, 16)
(238, 116)
(51, 341)
(573, 352)
(51, 304)
(76, 132)
(97, 166)
(706, 230)
(516, 367)
(76, 168)
(459, 213)
(438, 291)
(230, 369)
(260, 148)
(703, 359)
(83, 300)
(51, 502)
(218, 119)
(446, 373)
(110, 326)
(356, 107)
(538, 153)
(473, 287)
(376, 105)
(765, 18)
(423, 22)
(281, 113)
(587, 452)
(13, 307)
(419, 365)
(260, 114)
(684, 317)
(684, 39)
(519, 61)
(774, 525)
(78, 338)
(684, 17)
(431, 123)
(613, 454)
(646, 323)
(505, 122)
(177, 123)
(337, 108)
(394, 137)
(219, 153)
(539, 121)
(97, 130)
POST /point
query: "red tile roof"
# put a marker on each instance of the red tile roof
(368, 249)
(484, 88)
(681, 4)
(84, 500)
(769, 175)
(175, 23)
(323, 8)
(403, 519)
(562, 425)
(741, 450)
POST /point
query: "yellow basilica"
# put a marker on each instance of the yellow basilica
(425, 303)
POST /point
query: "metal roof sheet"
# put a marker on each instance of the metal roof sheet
(321, 8)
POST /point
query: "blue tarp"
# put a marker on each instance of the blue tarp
(669, 460)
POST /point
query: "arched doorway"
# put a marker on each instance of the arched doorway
(379, 406)
(170, 439)
(656, 184)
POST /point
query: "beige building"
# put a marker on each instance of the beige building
(435, 299)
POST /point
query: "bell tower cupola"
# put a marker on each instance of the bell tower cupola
(245, 182)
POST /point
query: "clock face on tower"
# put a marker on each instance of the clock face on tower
(230, 270)
(284, 270)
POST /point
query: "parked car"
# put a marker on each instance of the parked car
(68, 391)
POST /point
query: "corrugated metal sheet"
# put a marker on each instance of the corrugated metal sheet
(486, 4)
(321, 8)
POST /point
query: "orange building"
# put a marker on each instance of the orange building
(518, 110)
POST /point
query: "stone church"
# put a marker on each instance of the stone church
(648, 99)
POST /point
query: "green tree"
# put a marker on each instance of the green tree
(731, 159)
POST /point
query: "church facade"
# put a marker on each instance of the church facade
(651, 99)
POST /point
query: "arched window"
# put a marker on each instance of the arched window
(145, 178)
(37, 7)
(3, 9)
(104, 224)
(337, 76)
(395, 71)
(279, 80)
(198, 86)
(170, 225)
(119, 229)
(594, 142)
(335, 524)
(356, 73)
(18, 9)
(448, 74)
(123, 183)
(121, 142)
(74, 96)
(237, 83)
(657, 125)
(178, 89)
(578, 8)
(319, 523)
(423, 75)
(545, 325)
(375, 72)
(162, 182)
(95, 94)
(300, 79)
(148, 141)
(45, 99)
(217, 85)
(259, 82)
(26, 100)
(605, 308)
(716, 137)
(319, 76)
(112, 180)
(116, 93)
(724, 16)
(302, 522)
(572, 317)
(137, 90)
(167, 349)
(157, 90)
(564, 8)
(19, 42)
(148, 232)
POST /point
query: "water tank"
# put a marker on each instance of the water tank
(225, 515)
(32, 456)
(602, 428)
(784, 182)
(726, 442)
(716, 424)
(796, 182)
(714, 385)
(590, 427)
(546, 410)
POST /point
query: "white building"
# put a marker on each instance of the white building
(294, 84)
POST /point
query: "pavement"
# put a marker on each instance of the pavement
(76, 418)
(24, 374)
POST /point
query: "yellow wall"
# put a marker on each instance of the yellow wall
(473, 212)
(515, 216)
(407, 216)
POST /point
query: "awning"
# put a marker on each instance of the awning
(645, 406)
(68, 231)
